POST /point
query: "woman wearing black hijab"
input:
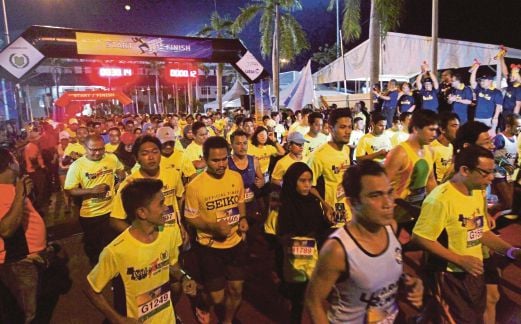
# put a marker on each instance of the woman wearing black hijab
(302, 227)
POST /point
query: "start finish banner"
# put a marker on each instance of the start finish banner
(128, 45)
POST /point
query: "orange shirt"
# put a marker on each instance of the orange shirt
(33, 157)
(33, 237)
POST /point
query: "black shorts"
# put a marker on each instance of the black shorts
(220, 265)
(465, 295)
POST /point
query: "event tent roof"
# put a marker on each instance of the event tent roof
(402, 55)
(230, 98)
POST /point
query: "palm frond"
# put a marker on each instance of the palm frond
(205, 31)
(247, 14)
(351, 21)
(266, 28)
(390, 14)
(331, 5)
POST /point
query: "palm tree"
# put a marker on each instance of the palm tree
(385, 16)
(219, 27)
(281, 34)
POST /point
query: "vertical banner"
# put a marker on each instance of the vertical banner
(261, 91)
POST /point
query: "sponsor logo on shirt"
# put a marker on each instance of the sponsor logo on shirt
(155, 267)
(92, 176)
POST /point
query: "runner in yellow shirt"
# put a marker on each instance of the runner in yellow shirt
(193, 162)
(330, 161)
(403, 134)
(314, 138)
(453, 228)
(145, 256)
(374, 145)
(442, 149)
(147, 150)
(92, 177)
(75, 150)
(296, 142)
(215, 207)
(114, 135)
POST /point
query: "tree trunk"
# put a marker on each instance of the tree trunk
(434, 62)
(220, 86)
(275, 58)
(374, 49)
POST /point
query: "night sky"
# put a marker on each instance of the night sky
(487, 21)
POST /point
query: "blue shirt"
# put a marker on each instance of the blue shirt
(512, 94)
(430, 99)
(391, 103)
(486, 101)
(461, 94)
(405, 103)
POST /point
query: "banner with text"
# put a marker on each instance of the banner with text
(145, 46)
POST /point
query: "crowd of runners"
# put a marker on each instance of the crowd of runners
(174, 204)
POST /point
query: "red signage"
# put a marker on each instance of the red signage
(181, 73)
(114, 72)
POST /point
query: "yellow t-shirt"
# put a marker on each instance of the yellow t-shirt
(370, 144)
(216, 200)
(462, 217)
(399, 137)
(312, 144)
(442, 156)
(74, 147)
(172, 189)
(174, 161)
(297, 127)
(331, 164)
(263, 154)
(282, 166)
(87, 174)
(110, 148)
(144, 269)
(193, 152)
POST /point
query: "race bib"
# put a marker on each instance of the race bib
(302, 248)
(340, 213)
(153, 301)
(266, 177)
(231, 216)
(340, 193)
(378, 316)
(474, 230)
(248, 195)
(169, 215)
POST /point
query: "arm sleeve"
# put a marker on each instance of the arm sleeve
(316, 167)
(499, 142)
(73, 178)
(191, 203)
(360, 148)
(277, 171)
(117, 204)
(103, 272)
(432, 220)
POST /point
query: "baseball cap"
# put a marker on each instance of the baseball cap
(73, 121)
(486, 76)
(64, 135)
(128, 138)
(296, 137)
(165, 134)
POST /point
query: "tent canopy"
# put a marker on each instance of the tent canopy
(402, 55)
(230, 99)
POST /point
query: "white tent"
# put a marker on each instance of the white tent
(300, 92)
(231, 99)
(402, 55)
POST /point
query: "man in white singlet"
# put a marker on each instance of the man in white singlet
(367, 242)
